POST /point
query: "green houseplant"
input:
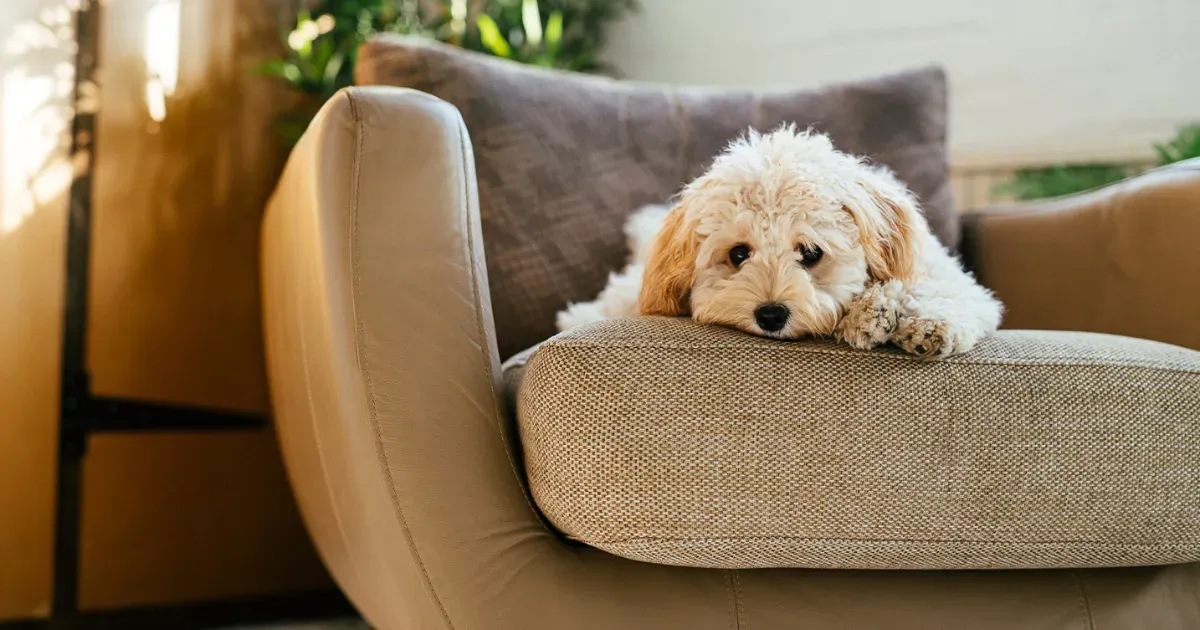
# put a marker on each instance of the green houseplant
(321, 49)
(1055, 181)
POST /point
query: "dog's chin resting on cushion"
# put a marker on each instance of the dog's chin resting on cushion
(786, 237)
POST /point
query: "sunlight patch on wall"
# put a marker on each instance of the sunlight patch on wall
(34, 171)
(161, 53)
(35, 85)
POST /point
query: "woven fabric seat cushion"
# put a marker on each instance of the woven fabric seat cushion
(664, 441)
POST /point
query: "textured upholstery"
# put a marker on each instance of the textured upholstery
(385, 389)
(665, 441)
(562, 159)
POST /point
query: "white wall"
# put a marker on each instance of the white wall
(1031, 80)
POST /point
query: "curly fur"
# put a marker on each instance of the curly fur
(883, 277)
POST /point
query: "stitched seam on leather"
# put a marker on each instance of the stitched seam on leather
(1089, 622)
(728, 581)
(737, 598)
(481, 331)
(360, 351)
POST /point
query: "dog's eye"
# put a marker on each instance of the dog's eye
(738, 255)
(809, 254)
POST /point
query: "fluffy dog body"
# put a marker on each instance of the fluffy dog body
(786, 237)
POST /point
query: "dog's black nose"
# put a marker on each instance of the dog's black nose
(771, 317)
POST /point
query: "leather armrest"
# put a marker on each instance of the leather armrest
(1123, 259)
(381, 352)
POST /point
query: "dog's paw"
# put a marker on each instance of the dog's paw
(871, 317)
(931, 338)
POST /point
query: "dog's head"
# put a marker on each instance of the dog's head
(779, 235)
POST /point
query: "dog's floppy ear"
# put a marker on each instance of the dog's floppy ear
(890, 225)
(667, 283)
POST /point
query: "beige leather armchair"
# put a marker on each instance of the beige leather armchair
(387, 394)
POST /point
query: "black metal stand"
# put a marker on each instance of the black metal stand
(83, 414)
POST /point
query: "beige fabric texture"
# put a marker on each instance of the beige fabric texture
(665, 441)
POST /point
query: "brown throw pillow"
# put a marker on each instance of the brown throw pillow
(563, 158)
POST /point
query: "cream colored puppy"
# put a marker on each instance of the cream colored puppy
(786, 237)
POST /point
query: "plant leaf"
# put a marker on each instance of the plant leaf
(1164, 153)
(554, 31)
(571, 34)
(1183, 146)
(270, 68)
(489, 33)
(531, 20)
(289, 129)
(323, 50)
(333, 69)
(1056, 181)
